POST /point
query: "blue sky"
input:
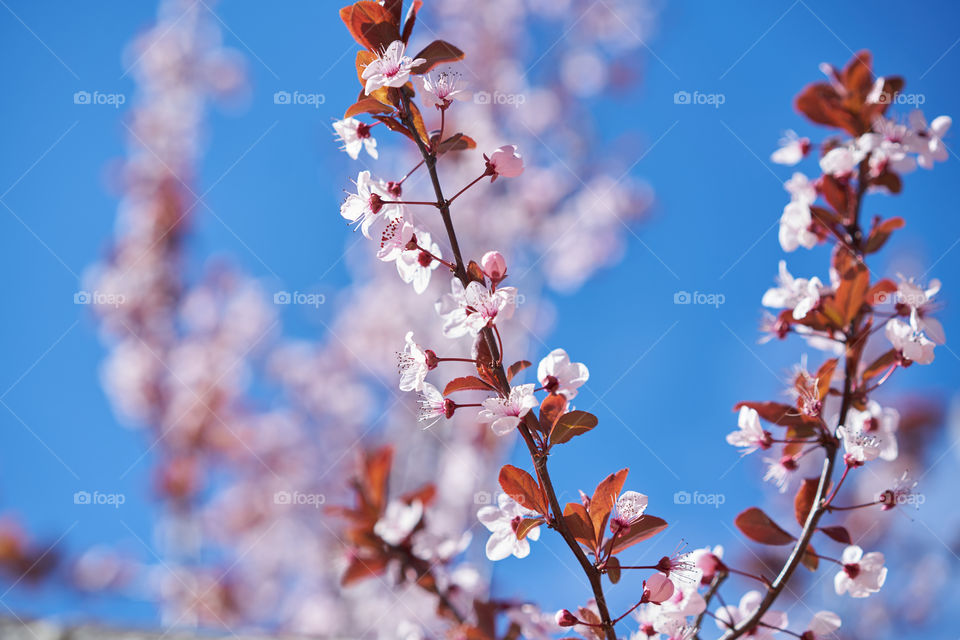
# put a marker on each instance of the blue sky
(667, 374)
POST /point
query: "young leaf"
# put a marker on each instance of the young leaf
(520, 485)
(572, 424)
(366, 105)
(527, 525)
(643, 529)
(552, 407)
(809, 558)
(803, 501)
(758, 526)
(466, 383)
(778, 413)
(613, 569)
(880, 233)
(578, 522)
(437, 52)
(839, 534)
(604, 497)
(370, 24)
(516, 368)
(881, 364)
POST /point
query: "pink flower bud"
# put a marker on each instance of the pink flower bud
(505, 162)
(657, 589)
(494, 266)
(566, 619)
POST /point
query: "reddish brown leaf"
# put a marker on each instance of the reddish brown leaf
(881, 232)
(437, 52)
(466, 383)
(572, 424)
(578, 522)
(362, 568)
(527, 525)
(825, 376)
(809, 558)
(370, 24)
(851, 293)
(840, 534)
(778, 413)
(552, 407)
(803, 501)
(520, 485)
(604, 497)
(516, 368)
(410, 20)
(881, 292)
(643, 529)
(758, 526)
(366, 105)
(881, 364)
(613, 569)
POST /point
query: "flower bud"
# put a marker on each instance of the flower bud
(566, 619)
(495, 266)
(505, 162)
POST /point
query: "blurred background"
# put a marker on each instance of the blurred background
(151, 151)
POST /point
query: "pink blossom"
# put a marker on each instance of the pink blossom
(558, 375)
(909, 340)
(494, 266)
(505, 161)
(502, 522)
(366, 207)
(355, 135)
(504, 413)
(750, 436)
(861, 574)
(792, 149)
(799, 294)
(439, 92)
(390, 69)
(730, 616)
(416, 265)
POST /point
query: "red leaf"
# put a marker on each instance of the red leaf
(552, 407)
(361, 568)
(881, 364)
(572, 424)
(520, 485)
(410, 20)
(825, 376)
(604, 497)
(881, 232)
(466, 383)
(527, 525)
(851, 293)
(578, 522)
(758, 526)
(809, 558)
(516, 368)
(643, 529)
(366, 105)
(370, 24)
(613, 569)
(840, 534)
(803, 501)
(437, 52)
(778, 413)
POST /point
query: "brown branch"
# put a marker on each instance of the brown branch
(539, 459)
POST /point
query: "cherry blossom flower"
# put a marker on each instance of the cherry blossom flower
(505, 161)
(438, 546)
(414, 363)
(366, 206)
(390, 69)
(730, 616)
(467, 311)
(799, 294)
(504, 413)
(751, 435)
(797, 217)
(494, 266)
(398, 521)
(395, 239)
(878, 421)
(534, 623)
(558, 375)
(443, 90)
(433, 405)
(927, 141)
(502, 522)
(862, 574)
(901, 493)
(841, 161)
(821, 626)
(792, 149)
(355, 135)
(681, 569)
(708, 561)
(779, 470)
(627, 510)
(909, 340)
(920, 302)
(670, 617)
(887, 147)
(416, 265)
(860, 447)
